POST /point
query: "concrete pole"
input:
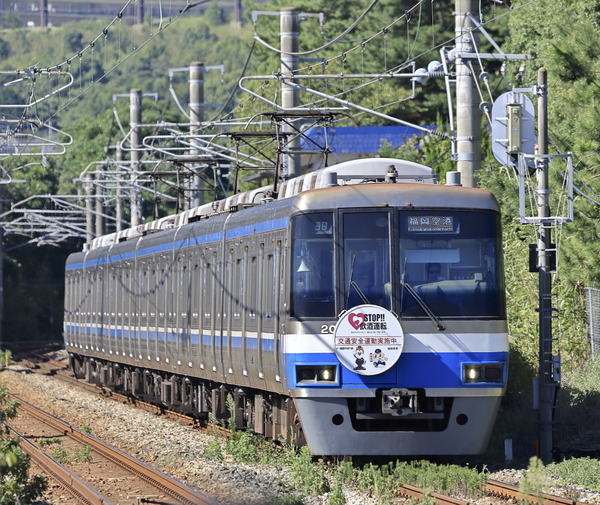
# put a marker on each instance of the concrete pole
(99, 203)
(89, 207)
(545, 279)
(237, 13)
(119, 209)
(1, 267)
(290, 31)
(43, 13)
(139, 12)
(468, 115)
(135, 118)
(197, 117)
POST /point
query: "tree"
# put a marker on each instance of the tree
(16, 486)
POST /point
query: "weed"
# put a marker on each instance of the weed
(534, 479)
(285, 500)
(81, 456)
(337, 496)
(242, 446)
(63, 456)
(43, 442)
(580, 471)
(86, 428)
(214, 446)
(60, 454)
(309, 478)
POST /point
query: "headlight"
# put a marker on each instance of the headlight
(472, 373)
(483, 373)
(316, 375)
(326, 374)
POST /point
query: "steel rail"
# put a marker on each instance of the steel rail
(498, 488)
(69, 481)
(177, 490)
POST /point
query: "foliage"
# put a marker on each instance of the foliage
(534, 479)
(16, 486)
(5, 358)
(86, 428)
(584, 472)
(214, 450)
(307, 476)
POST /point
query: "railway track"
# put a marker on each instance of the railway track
(67, 479)
(497, 489)
(178, 492)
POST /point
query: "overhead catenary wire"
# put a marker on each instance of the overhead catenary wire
(325, 46)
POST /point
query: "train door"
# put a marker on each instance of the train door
(228, 295)
(184, 310)
(204, 307)
(252, 295)
(160, 308)
(194, 322)
(153, 270)
(136, 308)
(114, 310)
(125, 344)
(143, 312)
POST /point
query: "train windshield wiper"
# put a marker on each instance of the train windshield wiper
(434, 319)
(352, 284)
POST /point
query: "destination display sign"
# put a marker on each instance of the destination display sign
(430, 223)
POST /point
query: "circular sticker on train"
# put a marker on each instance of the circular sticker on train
(368, 339)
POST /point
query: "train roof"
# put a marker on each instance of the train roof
(343, 174)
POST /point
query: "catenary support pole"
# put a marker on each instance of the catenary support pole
(43, 13)
(119, 205)
(100, 202)
(290, 31)
(139, 12)
(468, 115)
(135, 118)
(546, 380)
(197, 117)
(89, 208)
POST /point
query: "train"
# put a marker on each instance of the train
(359, 309)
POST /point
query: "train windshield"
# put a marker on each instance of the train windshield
(416, 263)
(451, 261)
(366, 252)
(313, 288)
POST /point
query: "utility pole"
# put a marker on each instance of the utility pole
(43, 13)
(546, 380)
(89, 207)
(135, 118)
(237, 13)
(139, 12)
(99, 203)
(197, 117)
(290, 98)
(119, 206)
(468, 115)
(1, 266)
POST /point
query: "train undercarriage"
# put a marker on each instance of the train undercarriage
(271, 415)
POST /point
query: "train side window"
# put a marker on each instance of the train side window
(313, 269)
(208, 277)
(268, 308)
(237, 289)
(252, 292)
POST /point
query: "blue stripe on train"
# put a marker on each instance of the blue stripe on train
(413, 370)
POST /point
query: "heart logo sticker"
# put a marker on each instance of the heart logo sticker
(356, 320)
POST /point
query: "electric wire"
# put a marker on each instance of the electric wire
(325, 46)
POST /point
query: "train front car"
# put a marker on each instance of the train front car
(397, 335)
